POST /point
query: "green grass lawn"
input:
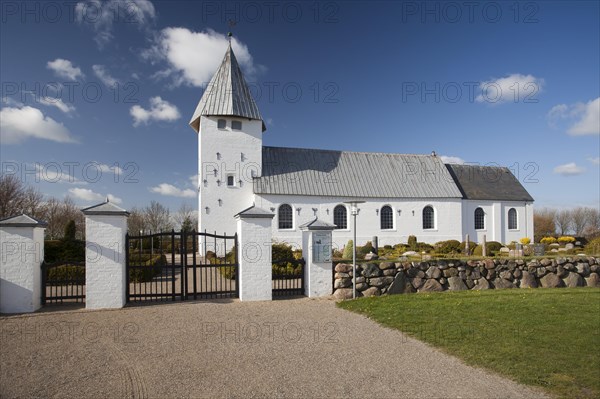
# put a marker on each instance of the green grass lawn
(544, 337)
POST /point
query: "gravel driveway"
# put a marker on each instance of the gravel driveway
(288, 348)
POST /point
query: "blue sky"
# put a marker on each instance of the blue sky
(96, 96)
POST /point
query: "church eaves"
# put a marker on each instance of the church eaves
(227, 94)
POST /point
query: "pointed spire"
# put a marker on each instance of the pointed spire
(227, 94)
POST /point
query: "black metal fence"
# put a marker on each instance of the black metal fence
(177, 266)
(63, 282)
(288, 277)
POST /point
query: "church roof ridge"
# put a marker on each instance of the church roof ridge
(349, 151)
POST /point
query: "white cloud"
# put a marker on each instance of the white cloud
(194, 179)
(172, 191)
(102, 74)
(65, 69)
(86, 194)
(451, 159)
(19, 124)
(102, 15)
(582, 119)
(193, 57)
(595, 161)
(515, 88)
(160, 110)
(55, 173)
(57, 103)
(569, 169)
(104, 168)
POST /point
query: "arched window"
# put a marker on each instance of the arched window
(285, 217)
(512, 219)
(479, 219)
(340, 217)
(387, 218)
(428, 218)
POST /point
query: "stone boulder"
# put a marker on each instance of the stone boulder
(551, 281)
(451, 272)
(342, 283)
(482, 284)
(386, 265)
(343, 293)
(528, 280)
(371, 256)
(501, 283)
(489, 264)
(371, 270)
(506, 275)
(593, 280)
(456, 284)
(583, 269)
(389, 272)
(398, 286)
(361, 286)
(573, 280)
(372, 291)
(416, 282)
(343, 268)
(434, 272)
(431, 285)
(409, 253)
(380, 281)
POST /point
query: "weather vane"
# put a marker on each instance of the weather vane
(231, 24)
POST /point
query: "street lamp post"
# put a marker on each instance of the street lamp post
(354, 212)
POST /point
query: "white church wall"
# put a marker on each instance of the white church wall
(240, 155)
(447, 219)
(496, 220)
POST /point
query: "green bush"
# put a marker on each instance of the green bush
(593, 247)
(288, 269)
(348, 250)
(63, 250)
(57, 275)
(492, 247)
(227, 271)
(472, 246)
(388, 247)
(368, 247)
(424, 247)
(412, 243)
(151, 266)
(447, 247)
(281, 250)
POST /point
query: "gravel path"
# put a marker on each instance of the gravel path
(287, 348)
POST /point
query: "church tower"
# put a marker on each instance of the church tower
(230, 129)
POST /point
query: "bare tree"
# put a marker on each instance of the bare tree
(58, 213)
(593, 227)
(136, 221)
(579, 220)
(543, 223)
(563, 220)
(185, 218)
(16, 198)
(157, 217)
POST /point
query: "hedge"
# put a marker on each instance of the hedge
(149, 267)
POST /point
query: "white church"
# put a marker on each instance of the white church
(403, 194)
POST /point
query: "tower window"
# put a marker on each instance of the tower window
(236, 125)
(340, 217)
(285, 217)
(428, 218)
(479, 219)
(230, 181)
(512, 219)
(387, 218)
(221, 123)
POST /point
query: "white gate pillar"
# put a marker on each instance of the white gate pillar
(254, 254)
(105, 263)
(22, 249)
(316, 251)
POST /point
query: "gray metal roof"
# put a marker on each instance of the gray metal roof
(105, 208)
(488, 183)
(317, 224)
(227, 94)
(255, 212)
(299, 171)
(22, 221)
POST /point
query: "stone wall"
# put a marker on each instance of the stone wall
(440, 275)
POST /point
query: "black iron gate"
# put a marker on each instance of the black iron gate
(178, 266)
(63, 282)
(288, 277)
